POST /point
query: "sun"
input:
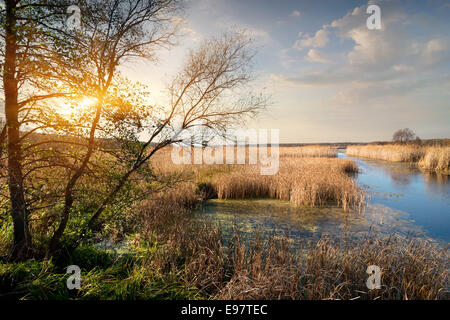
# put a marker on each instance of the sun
(83, 103)
(88, 102)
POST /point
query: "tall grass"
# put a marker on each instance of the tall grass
(326, 269)
(269, 268)
(312, 181)
(395, 153)
(433, 158)
(436, 159)
(304, 181)
(308, 152)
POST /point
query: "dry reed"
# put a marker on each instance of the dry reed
(432, 158)
(304, 181)
(269, 268)
(395, 153)
(314, 181)
(436, 159)
(308, 152)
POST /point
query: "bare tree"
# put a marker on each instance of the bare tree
(57, 165)
(403, 135)
(44, 60)
(210, 91)
(114, 32)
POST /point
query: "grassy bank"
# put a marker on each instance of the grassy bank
(432, 158)
(164, 254)
(268, 268)
(171, 257)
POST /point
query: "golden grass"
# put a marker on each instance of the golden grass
(436, 159)
(308, 152)
(433, 158)
(269, 268)
(303, 181)
(395, 153)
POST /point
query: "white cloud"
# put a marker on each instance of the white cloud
(403, 68)
(436, 51)
(317, 56)
(379, 63)
(319, 40)
(296, 13)
(375, 49)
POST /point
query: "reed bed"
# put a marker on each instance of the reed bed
(308, 152)
(199, 157)
(432, 158)
(303, 181)
(314, 181)
(327, 269)
(436, 159)
(394, 153)
(269, 268)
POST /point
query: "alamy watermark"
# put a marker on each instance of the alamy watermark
(74, 281)
(250, 146)
(73, 21)
(374, 21)
(374, 280)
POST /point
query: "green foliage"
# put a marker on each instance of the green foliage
(121, 282)
(87, 258)
(105, 276)
(14, 275)
(6, 232)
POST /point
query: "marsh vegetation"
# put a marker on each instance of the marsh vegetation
(87, 179)
(432, 158)
(162, 252)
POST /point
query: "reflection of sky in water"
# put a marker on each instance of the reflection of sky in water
(402, 200)
(424, 196)
(297, 223)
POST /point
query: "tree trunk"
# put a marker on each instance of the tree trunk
(22, 238)
(68, 196)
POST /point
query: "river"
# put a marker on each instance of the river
(402, 199)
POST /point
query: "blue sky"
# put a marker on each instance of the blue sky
(330, 77)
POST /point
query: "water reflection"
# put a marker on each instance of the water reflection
(424, 196)
(282, 218)
(437, 184)
(402, 200)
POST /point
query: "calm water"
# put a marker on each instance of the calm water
(402, 200)
(425, 197)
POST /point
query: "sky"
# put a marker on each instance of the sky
(330, 78)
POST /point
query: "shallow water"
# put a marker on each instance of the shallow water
(402, 200)
(424, 197)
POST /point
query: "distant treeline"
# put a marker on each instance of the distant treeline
(422, 142)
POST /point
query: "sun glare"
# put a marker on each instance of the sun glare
(82, 104)
(88, 102)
